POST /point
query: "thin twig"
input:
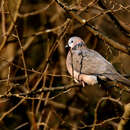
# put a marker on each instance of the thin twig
(98, 105)
(36, 12)
(12, 109)
(12, 24)
(3, 19)
(23, 59)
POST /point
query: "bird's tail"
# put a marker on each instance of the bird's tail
(118, 77)
(122, 79)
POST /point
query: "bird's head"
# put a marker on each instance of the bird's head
(75, 43)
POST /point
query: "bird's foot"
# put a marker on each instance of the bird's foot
(83, 84)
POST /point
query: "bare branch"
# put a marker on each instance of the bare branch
(92, 29)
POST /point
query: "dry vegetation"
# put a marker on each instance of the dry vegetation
(36, 91)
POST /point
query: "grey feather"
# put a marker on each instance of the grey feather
(85, 61)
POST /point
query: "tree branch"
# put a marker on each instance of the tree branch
(93, 30)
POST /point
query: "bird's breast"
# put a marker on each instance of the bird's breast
(89, 79)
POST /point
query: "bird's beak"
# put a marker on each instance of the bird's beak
(66, 46)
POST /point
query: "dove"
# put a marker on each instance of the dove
(87, 65)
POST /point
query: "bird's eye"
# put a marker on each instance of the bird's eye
(71, 41)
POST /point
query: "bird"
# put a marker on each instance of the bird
(87, 66)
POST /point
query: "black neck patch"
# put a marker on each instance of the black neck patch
(79, 45)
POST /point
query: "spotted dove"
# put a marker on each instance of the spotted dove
(87, 65)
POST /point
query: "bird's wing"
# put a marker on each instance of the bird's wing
(90, 62)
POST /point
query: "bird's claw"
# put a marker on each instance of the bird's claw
(83, 84)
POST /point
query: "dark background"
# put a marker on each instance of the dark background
(33, 34)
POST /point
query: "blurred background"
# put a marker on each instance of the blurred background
(33, 34)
